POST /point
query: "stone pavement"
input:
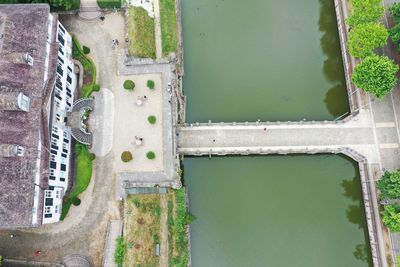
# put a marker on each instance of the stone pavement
(114, 230)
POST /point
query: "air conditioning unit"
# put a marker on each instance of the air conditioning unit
(28, 59)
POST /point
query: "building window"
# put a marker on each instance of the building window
(52, 172)
(61, 39)
(53, 164)
(48, 215)
(62, 179)
(48, 201)
(63, 167)
(59, 69)
(60, 60)
(52, 178)
(54, 146)
(47, 209)
(61, 28)
(48, 194)
(52, 157)
(54, 152)
(66, 141)
(69, 68)
(63, 160)
(65, 134)
(55, 135)
(63, 155)
(60, 50)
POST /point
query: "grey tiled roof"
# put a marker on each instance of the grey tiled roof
(24, 30)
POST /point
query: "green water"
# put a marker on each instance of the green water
(262, 59)
(276, 211)
(269, 60)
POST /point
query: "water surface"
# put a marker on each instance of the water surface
(262, 59)
(300, 211)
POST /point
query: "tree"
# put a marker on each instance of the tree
(391, 217)
(376, 75)
(365, 11)
(389, 185)
(395, 11)
(364, 38)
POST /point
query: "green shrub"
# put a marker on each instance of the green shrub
(109, 3)
(85, 49)
(391, 217)
(152, 119)
(76, 201)
(129, 85)
(150, 155)
(119, 254)
(395, 11)
(126, 156)
(376, 75)
(364, 38)
(150, 84)
(365, 11)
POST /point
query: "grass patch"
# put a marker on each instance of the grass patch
(120, 250)
(83, 174)
(168, 26)
(109, 3)
(142, 229)
(89, 69)
(178, 219)
(141, 33)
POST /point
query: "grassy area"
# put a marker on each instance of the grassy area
(141, 33)
(178, 219)
(142, 229)
(89, 68)
(109, 3)
(120, 251)
(83, 174)
(168, 26)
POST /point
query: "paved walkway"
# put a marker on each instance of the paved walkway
(157, 29)
(114, 230)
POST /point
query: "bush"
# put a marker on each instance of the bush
(85, 49)
(391, 217)
(119, 253)
(376, 75)
(364, 38)
(126, 156)
(129, 85)
(152, 119)
(395, 11)
(150, 84)
(150, 155)
(76, 201)
(389, 185)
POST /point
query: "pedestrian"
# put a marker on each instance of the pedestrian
(145, 97)
(214, 140)
(265, 129)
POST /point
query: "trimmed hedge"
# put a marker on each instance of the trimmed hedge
(150, 84)
(152, 119)
(109, 3)
(126, 156)
(129, 85)
(86, 50)
(151, 155)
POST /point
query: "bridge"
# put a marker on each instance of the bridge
(353, 136)
(358, 136)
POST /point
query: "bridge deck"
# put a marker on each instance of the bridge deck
(355, 134)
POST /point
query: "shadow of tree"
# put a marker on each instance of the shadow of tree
(333, 65)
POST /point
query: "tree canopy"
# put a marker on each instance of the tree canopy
(389, 185)
(376, 75)
(364, 38)
(365, 11)
(391, 217)
(395, 11)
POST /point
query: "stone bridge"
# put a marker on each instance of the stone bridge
(355, 136)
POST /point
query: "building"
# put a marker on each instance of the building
(37, 85)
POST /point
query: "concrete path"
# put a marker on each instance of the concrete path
(114, 230)
(164, 231)
(89, 10)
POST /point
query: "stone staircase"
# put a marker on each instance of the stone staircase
(82, 137)
(87, 102)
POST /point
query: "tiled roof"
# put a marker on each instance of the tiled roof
(23, 29)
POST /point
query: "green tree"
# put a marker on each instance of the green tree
(376, 75)
(365, 11)
(395, 11)
(389, 185)
(364, 38)
(119, 253)
(391, 217)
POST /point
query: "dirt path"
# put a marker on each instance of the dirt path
(164, 231)
(157, 29)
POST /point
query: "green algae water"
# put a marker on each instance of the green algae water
(262, 59)
(269, 60)
(300, 211)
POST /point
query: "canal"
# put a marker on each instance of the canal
(269, 60)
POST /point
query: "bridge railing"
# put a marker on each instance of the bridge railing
(269, 123)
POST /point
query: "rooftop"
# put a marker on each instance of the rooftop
(23, 32)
